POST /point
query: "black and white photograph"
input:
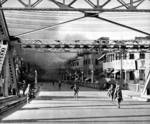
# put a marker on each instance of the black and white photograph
(74, 61)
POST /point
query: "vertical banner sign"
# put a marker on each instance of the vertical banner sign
(3, 27)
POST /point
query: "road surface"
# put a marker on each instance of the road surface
(54, 106)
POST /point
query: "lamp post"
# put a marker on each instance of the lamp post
(35, 78)
(82, 76)
(121, 67)
(122, 54)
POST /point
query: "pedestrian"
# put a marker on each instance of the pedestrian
(76, 91)
(27, 92)
(53, 83)
(111, 91)
(59, 85)
(118, 94)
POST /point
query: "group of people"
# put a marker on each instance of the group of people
(115, 92)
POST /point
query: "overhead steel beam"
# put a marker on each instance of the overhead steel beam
(3, 1)
(74, 9)
(90, 3)
(60, 5)
(104, 4)
(88, 46)
(138, 1)
(123, 3)
(4, 33)
(30, 4)
(36, 3)
(72, 2)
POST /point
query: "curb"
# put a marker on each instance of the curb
(139, 98)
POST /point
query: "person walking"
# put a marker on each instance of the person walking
(111, 91)
(53, 83)
(27, 92)
(59, 85)
(118, 95)
(76, 91)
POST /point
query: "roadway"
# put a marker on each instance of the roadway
(54, 106)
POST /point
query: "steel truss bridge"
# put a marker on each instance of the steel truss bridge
(85, 46)
(94, 9)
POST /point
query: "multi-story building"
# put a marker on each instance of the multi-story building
(134, 65)
(86, 66)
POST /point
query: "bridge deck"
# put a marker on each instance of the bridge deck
(54, 106)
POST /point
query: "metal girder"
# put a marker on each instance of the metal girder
(30, 4)
(3, 1)
(139, 3)
(90, 3)
(89, 12)
(123, 3)
(72, 2)
(75, 9)
(134, 2)
(4, 34)
(60, 5)
(88, 46)
(65, 6)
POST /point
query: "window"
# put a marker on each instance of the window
(117, 56)
(142, 56)
(131, 75)
(141, 74)
(112, 57)
(131, 56)
(96, 62)
(124, 56)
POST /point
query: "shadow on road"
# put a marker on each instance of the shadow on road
(105, 119)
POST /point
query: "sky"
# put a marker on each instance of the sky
(84, 29)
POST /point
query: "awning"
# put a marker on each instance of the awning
(101, 57)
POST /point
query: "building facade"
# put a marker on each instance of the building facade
(85, 67)
(131, 68)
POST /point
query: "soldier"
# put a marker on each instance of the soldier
(76, 90)
(111, 91)
(59, 85)
(118, 94)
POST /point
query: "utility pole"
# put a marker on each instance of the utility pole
(121, 65)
